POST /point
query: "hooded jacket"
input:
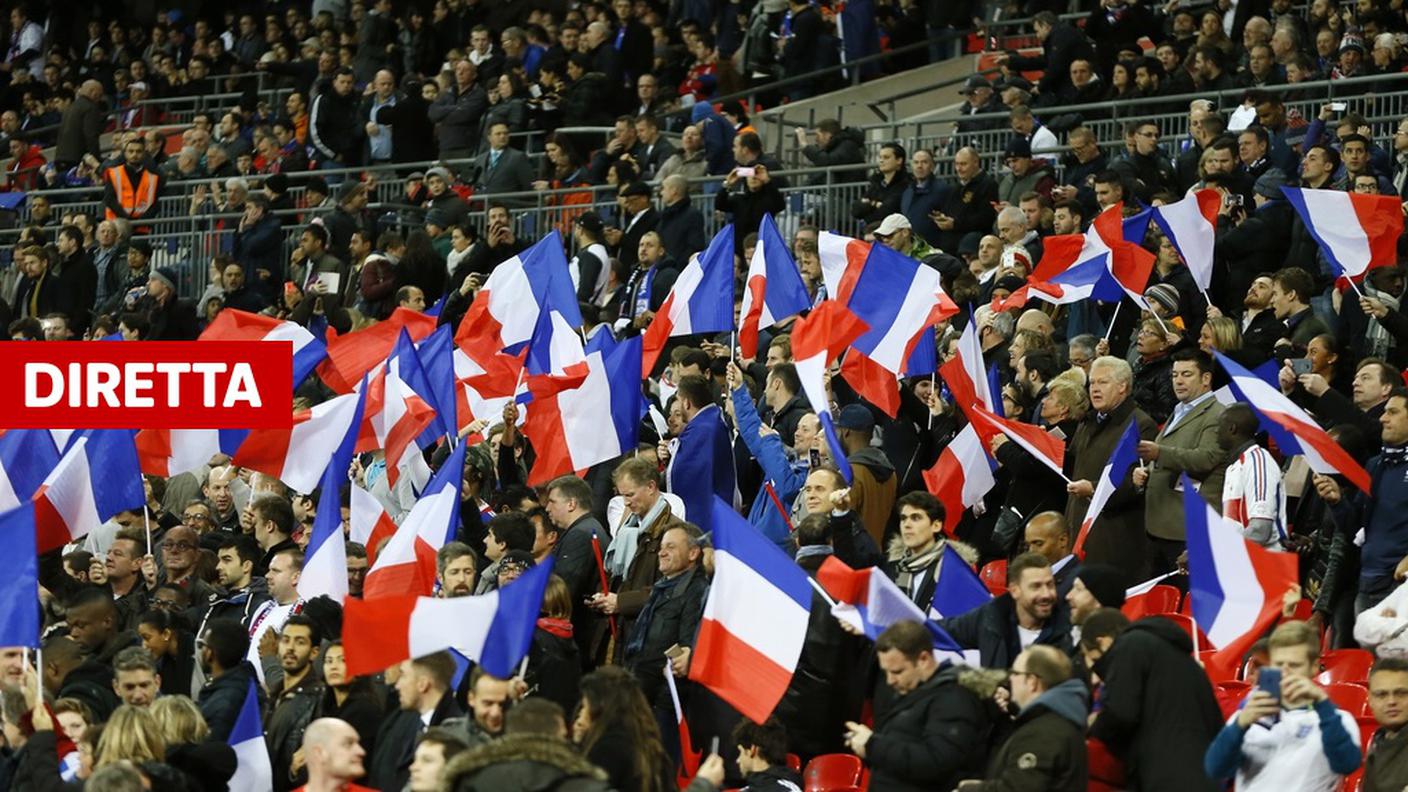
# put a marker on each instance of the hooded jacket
(931, 738)
(525, 763)
(1047, 749)
(873, 490)
(846, 147)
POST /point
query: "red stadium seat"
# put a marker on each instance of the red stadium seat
(832, 773)
(1349, 697)
(794, 762)
(1106, 772)
(994, 576)
(1162, 599)
(1214, 674)
(1345, 665)
(1230, 694)
(1186, 623)
(1367, 727)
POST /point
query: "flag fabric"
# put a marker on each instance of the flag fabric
(1355, 232)
(1047, 448)
(961, 477)
(1235, 585)
(842, 260)
(1137, 603)
(396, 414)
(26, 457)
(772, 290)
(1073, 267)
(352, 355)
(253, 770)
(689, 758)
(406, 565)
(702, 466)
(1129, 263)
(872, 381)
(755, 620)
(1191, 225)
(816, 341)
(897, 297)
(368, 524)
(1111, 477)
(19, 578)
(168, 452)
(325, 557)
(494, 630)
(437, 363)
(1294, 431)
(569, 429)
(235, 325)
(700, 301)
(97, 477)
(297, 456)
(958, 589)
(869, 600)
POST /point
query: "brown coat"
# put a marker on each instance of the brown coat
(1191, 447)
(644, 570)
(1117, 538)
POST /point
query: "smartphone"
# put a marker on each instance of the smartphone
(1234, 199)
(1300, 366)
(744, 173)
(815, 457)
(1269, 680)
(1338, 107)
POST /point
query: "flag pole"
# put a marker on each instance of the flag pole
(932, 386)
(821, 591)
(1206, 297)
(1354, 286)
(147, 518)
(1113, 317)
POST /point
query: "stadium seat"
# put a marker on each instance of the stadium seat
(1106, 772)
(832, 773)
(794, 762)
(1215, 674)
(994, 576)
(1230, 694)
(1187, 624)
(1367, 727)
(1162, 599)
(1345, 665)
(1349, 697)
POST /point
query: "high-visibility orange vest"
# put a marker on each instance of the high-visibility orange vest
(137, 199)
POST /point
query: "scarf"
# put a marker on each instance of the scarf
(626, 541)
(561, 628)
(641, 628)
(908, 566)
(1393, 455)
(1378, 339)
(812, 551)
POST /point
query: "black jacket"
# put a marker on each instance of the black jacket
(1158, 712)
(628, 252)
(78, 290)
(888, 196)
(674, 620)
(292, 711)
(389, 767)
(524, 762)
(260, 247)
(412, 134)
(334, 128)
(846, 147)
(931, 738)
(970, 206)
(992, 630)
(681, 230)
(1047, 749)
(222, 698)
(174, 321)
(91, 683)
(1063, 45)
(748, 206)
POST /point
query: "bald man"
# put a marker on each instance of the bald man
(1050, 535)
(334, 757)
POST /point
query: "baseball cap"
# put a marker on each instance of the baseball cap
(891, 224)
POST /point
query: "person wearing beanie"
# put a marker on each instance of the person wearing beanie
(172, 318)
(1094, 587)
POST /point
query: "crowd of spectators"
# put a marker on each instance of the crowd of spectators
(156, 626)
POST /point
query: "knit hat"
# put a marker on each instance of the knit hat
(1269, 184)
(439, 218)
(142, 246)
(1165, 295)
(277, 183)
(856, 418)
(1105, 583)
(166, 275)
(443, 173)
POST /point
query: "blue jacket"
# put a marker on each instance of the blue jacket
(1385, 528)
(786, 474)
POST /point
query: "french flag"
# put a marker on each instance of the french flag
(755, 620)
(958, 589)
(406, 565)
(19, 578)
(97, 477)
(867, 599)
(482, 390)
(437, 365)
(325, 564)
(1110, 479)
(168, 452)
(253, 771)
(773, 289)
(26, 457)
(234, 325)
(1356, 232)
(701, 301)
(368, 524)
(567, 429)
(494, 630)
(396, 414)
(1071, 269)
(1191, 225)
(871, 381)
(842, 260)
(897, 297)
(816, 341)
(1235, 586)
(961, 476)
(299, 455)
(1129, 263)
(1294, 431)
(353, 355)
(1137, 602)
(1047, 448)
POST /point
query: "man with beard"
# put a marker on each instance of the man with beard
(1260, 329)
(1029, 613)
(1095, 586)
(455, 570)
(294, 699)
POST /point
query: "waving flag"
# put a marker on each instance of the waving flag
(1294, 431)
(168, 452)
(1110, 478)
(1235, 585)
(97, 477)
(235, 325)
(352, 355)
(253, 771)
(1047, 448)
(958, 589)
(816, 341)
(702, 467)
(298, 456)
(869, 600)
(19, 578)
(1129, 263)
(325, 557)
(1356, 232)
(368, 524)
(701, 301)
(494, 630)
(755, 620)
(437, 364)
(525, 303)
(406, 565)
(773, 289)
(396, 414)
(897, 297)
(1191, 225)
(567, 429)
(961, 476)
(26, 457)
(872, 381)
(842, 260)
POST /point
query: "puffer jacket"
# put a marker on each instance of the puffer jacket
(525, 763)
(1047, 749)
(933, 737)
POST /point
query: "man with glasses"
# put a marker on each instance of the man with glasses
(1149, 168)
(1386, 766)
(180, 550)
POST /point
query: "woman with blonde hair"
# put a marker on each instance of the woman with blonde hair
(131, 734)
(179, 720)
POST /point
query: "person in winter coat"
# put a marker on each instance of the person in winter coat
(933, 735)
(456, 113)
(1061, 43)
(1030, 604)
(886, 188)
(834, 146)
(554, 662)
(1024, 174)
(718, 136)
(1047, 749)
(223, 646)
(873, 488)
(259, 242)
(333, 123)
(524, 761)
(413, 135)
(1157, 709)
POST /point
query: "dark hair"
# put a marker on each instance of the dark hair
(769, 737)
(1198, 356)
(923, 501)
(574, 489)
(1259, 132)
(1242, 417)
(302, 620)
(1388, 375)
(1331, 156)
(440, 666)
(450, 742)
(894, 145)
(1295, 279)
(227, 640)
(276, 510)
(1024, 562)
(696, 389)
(1389, 664)
(908, 637)
(244, 547)
(344, 71)
(814, 530)
(1103, 623)
(786, 373)
(535, 715)
(751, 141)
(318, 231)
(513, 530)
(619, 708)
(1043, 363)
